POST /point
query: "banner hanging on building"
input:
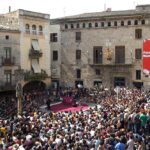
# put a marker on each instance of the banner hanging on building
(146, 58)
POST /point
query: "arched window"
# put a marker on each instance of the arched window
(142, 21)
(102, 24)
(34, 29)
(90, 25)
(136, 22)
(109, 24)
(27, 28)
(78, 25)
(40, 29)
(129, 22)
(83, 25)
(96, 24)
(72, 26)
(122, 23)
(66, 26)
(115, 23)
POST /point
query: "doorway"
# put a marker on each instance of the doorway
(119, 81)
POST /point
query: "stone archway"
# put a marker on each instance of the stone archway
(34, 85)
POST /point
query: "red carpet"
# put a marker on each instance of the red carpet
(62, 108)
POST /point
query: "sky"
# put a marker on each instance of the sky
(61, 8)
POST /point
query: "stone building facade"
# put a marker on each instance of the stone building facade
(104, 47)
(25, 37)
(9, 51)
(55, 44)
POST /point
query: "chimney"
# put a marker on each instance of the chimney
(9, 9)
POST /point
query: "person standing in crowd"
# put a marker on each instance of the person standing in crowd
(120, 145)
(130, 143)
(143, 118)
(48, 103)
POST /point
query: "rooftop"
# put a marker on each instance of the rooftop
(140, 10)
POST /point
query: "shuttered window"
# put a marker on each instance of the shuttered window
(97, 55)
(120, 54)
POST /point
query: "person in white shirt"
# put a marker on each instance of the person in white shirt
(130, 143)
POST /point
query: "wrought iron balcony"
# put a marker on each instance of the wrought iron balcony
(5, 86)
(29, 75)
(111, 63)
(8, 61)
(27, 31)
(35, 54)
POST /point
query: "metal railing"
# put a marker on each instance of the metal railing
(8, 61)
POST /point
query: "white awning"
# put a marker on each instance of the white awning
(35, 45)
(35, 66)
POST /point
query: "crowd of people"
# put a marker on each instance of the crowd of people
(116, 122)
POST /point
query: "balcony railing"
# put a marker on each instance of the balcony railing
(29, 75)
(35, 53)
(27, 31)
(5, 86)
(34, 32)
(127, 62)
(40, 32)
(8, 61)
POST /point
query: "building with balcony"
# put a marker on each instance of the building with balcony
(25, 49)
(55, 46)
(9, 52)
(104, 47)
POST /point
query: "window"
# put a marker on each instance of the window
(78, 73)
(7, 74)
(53, 37)
(66, 26)
(97, 55)
(138, 74)
(138, 33)
(119, 81)
(138, 53)
(27, 28)
(72, 26)
(143, 22)
(129, 22)
(55, 55)
(102, 24)
(109, 24)
(7, 52)
(136, 22)
(7, 37)
(97, 71)
(96, 24)
(40, 29)
(34, 29)
(115, 23)
(78, 54)
(78, 36)
(120, 54)
(122, 23)
(78, 25)
(83, 25)
(90, 25)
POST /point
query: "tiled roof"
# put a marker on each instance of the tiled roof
(103, 14)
